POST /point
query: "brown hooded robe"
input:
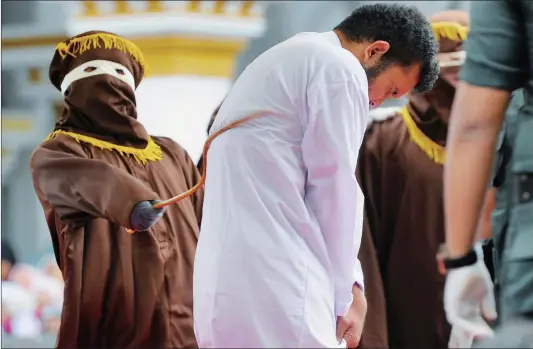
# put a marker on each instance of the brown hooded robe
(121, 290)
(400, 171)
(402, 232)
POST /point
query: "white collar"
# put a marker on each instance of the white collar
(331, 37)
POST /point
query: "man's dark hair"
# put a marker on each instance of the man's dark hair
(212, 120)
(407, 31)
(200, 164)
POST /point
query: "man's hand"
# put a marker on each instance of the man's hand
(469, 299)
(350, 327)
(144, 215)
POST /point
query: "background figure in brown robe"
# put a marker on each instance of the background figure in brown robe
(400, 171)
(121, 290)
(200, 164)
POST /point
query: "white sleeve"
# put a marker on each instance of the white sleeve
(338, 117)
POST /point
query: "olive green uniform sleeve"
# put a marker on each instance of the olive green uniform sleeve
(496, 46)
(506, 139)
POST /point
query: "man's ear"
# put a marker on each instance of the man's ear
(375, 51)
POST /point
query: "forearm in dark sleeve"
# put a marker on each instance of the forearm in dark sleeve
(72, 183)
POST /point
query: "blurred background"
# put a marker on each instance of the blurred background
(195, 50)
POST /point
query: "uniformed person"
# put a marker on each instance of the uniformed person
(499, 49)
(502, 185)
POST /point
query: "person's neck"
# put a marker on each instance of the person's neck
(355, 48)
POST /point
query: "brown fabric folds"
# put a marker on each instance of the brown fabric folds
(404, 217)
(58, 166)
(121, 290)
(403, 229)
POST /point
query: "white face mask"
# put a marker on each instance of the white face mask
(452, 59)
(98, 67)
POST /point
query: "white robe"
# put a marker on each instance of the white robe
(282, 218)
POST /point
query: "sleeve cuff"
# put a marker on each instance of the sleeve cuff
(124, 211)
(341, 309)
(359, 277)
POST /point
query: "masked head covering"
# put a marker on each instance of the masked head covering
(451, 29)
(426, 115)
(97, 73)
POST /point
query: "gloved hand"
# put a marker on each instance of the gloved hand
(469, 299)
(143, 215)
(460, 338)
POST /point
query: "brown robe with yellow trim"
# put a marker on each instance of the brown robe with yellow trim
(403, 229)
(400, 172)
(121, 290)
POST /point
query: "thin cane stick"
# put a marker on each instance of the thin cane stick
(201, 182)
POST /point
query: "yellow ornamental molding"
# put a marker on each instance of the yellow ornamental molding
(90, 8)
(246, 8)
(193, 6)
(155, 6)
(16, 124)
(190, 56)
(122, 7)
(164, 55)
(35, 75)
(99, 9)
(219, 7)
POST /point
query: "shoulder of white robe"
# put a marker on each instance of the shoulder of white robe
(382, 114)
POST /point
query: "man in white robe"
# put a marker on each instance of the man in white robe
(276, 264)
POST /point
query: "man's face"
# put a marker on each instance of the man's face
(390, 81)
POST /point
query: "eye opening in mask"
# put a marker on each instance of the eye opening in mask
(89, 69)
(120, 71)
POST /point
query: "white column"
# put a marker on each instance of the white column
(26, 225)
(179, 107)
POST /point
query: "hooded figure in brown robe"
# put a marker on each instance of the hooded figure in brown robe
(400, 172)
(96, 176)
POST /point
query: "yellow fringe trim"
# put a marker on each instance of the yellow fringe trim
(434, 151)
(77, 46)
(152, 152)
(450, 30)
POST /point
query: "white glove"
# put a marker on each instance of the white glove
(469, 299)
(460, 338)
